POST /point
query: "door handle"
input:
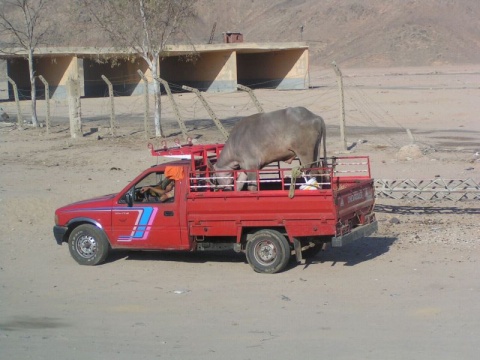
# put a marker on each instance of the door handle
(168, 213)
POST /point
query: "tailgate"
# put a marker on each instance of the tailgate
(355, 200)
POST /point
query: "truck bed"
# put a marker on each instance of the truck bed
(332, 203)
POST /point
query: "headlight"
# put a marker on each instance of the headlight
(56, 219)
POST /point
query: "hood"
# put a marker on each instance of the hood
(100, 201)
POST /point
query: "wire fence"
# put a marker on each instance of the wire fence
(362, 110)
(130, 109)
(322, 98)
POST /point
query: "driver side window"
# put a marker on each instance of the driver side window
(154, 188)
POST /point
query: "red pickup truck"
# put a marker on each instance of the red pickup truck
(288, 214)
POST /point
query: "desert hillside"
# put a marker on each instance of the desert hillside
(356, 33)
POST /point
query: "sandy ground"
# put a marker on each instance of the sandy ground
(410, 292)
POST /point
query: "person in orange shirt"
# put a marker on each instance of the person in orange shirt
(163, 191)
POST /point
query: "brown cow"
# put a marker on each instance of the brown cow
(260, 139)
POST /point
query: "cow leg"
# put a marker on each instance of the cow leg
(308, 161)
(250, 179)
(241, 178)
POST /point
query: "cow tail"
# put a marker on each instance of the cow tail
(323, 134)
(322, 161)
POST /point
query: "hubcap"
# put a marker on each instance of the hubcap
(265, 252)
(86, 246)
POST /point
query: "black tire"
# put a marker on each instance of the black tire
(88, 245)
(268, 251)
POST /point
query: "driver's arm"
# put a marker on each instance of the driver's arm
(155, 189)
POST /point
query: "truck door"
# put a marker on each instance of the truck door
(153, 222)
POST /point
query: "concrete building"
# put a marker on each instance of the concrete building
(212, 67)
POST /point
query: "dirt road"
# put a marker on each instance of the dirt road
(410, 292)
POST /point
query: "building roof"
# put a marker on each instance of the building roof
(170, 50)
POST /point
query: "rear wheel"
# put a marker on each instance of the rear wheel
(88, 245)
(268, 251)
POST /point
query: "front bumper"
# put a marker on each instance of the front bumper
(355, 234)
(59, 233)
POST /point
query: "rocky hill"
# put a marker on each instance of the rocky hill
(354, 32)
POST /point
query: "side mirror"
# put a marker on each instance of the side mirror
(129, 199)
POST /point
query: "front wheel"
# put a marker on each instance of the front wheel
(268, 251)
(88, 245)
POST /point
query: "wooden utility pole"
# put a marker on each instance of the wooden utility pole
(342, 104)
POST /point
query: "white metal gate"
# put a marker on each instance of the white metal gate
(436, 189)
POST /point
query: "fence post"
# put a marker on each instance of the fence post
(180, 121)
(146, 94)
(342, 104)
(112, 105)
(74, 108)
(252, 96)
(47, 100)
(17, 102)
(209, 109)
